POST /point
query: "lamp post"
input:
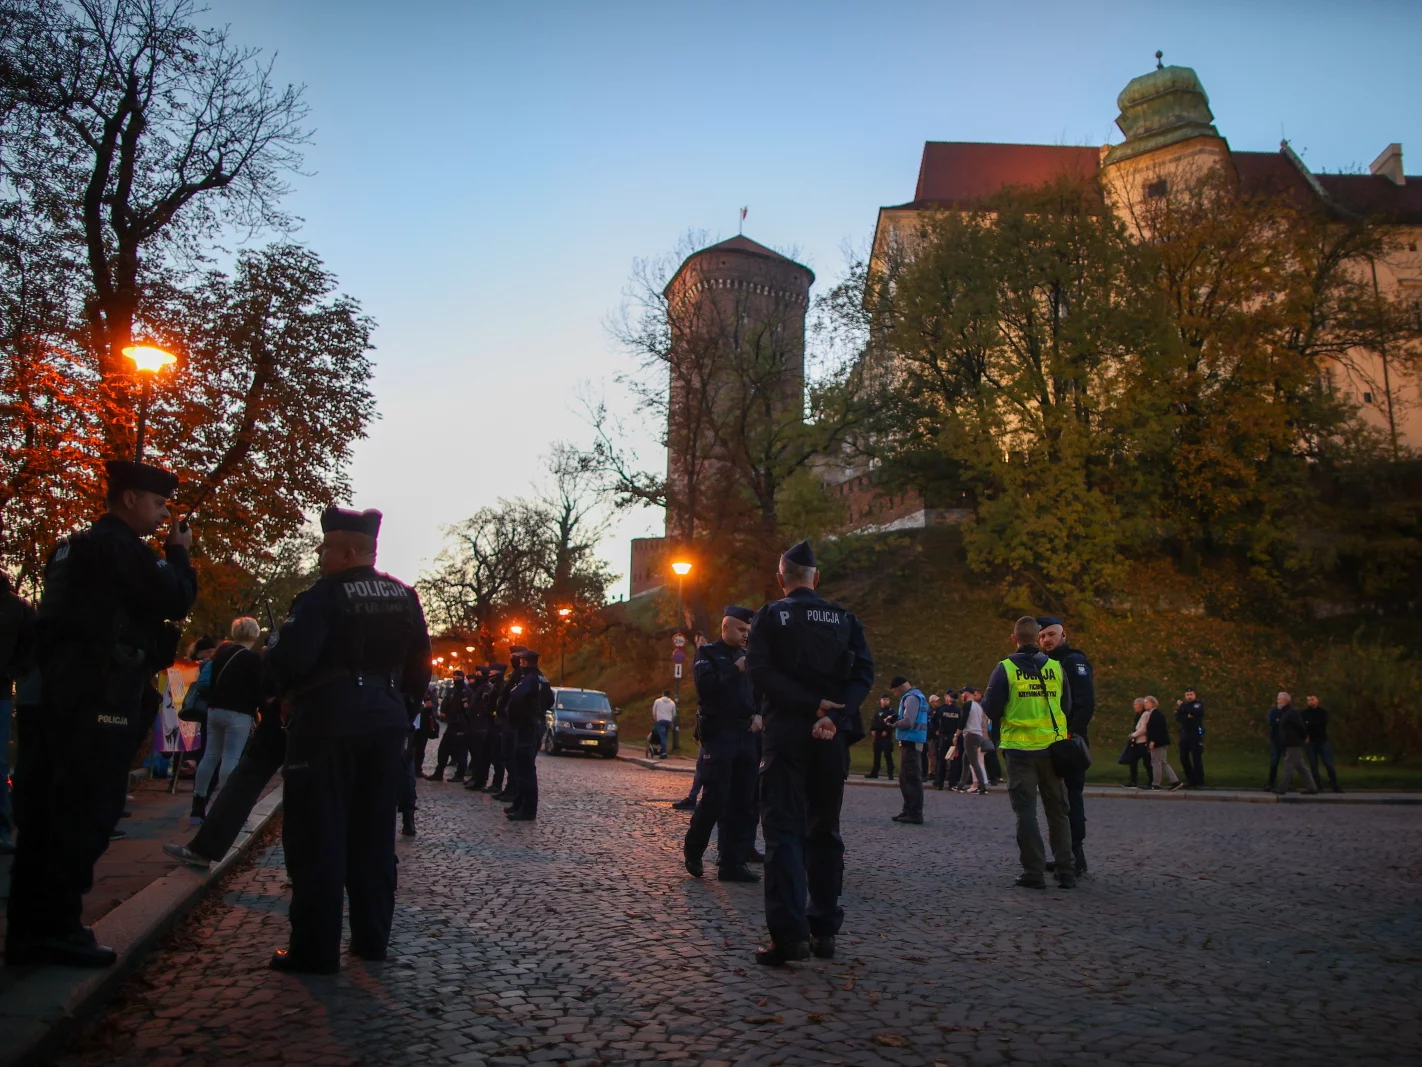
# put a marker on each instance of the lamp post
(148, 360)
(563, 614)
(681, 568)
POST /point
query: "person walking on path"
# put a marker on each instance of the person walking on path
(1315, 718)
(1157, 737)
(1028, 697)
(1293, 737)
(1190, 717)
(1276, 748)
(233, 697)
(973, 778)
(663, 714)
(911, 732)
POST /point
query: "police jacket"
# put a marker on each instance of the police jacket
(107, 601)
(804, 649)
(501, 699)
(883, 723)
(950, 720)
(1082, 684)
(354, 647)
(455, 707)
(492, 692)
(17, 638)
(528, 700)
(1190, 716)
(724, 700)
(479, 706)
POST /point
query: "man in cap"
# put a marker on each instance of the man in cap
(105, 627)
(1190, 717)
(528, 702)
(353, 650)
(808, 660)
(1052, 639)
(728, 724)
(508, 736)
(494, 744)
(478, 731)
(454, 745)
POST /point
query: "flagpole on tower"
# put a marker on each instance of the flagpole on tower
(741, 226)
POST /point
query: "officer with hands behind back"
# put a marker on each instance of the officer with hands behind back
(105, 627)
(727, 724)
(528, 702)
(354, 649)
(810, 665)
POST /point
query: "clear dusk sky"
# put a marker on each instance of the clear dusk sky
(484, 174)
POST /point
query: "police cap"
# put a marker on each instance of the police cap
(126, 474)
(800, 554)
(517, 650)
(735, 611)
(528, 653)
(362, 522)
(1044, 621)
(497, 668)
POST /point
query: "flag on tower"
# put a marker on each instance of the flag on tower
(744, 212)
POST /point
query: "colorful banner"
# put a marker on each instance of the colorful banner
(171, 734)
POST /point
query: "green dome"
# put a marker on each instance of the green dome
(1161, 108)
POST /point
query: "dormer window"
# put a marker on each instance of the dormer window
(1156, 188)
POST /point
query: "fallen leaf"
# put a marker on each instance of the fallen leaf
(891, 1039)
(816, 1017)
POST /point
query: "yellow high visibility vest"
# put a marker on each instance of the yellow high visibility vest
(1031, 704)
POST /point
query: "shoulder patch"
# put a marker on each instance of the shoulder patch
(1081, 668)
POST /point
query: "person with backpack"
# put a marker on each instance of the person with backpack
(528, 703)
(233, 696)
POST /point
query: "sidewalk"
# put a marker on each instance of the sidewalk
(683, 765)
(139, 894)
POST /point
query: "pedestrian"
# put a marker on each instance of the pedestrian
(425, 730)
(1137, 751)
(528, 705)
(882, 728)
(911, 733)
(353, 650)
(1157, 738)
(1293, 737)
(810, 664)
(454, 745)
(1028, 695)
(976, 745)
(1190, 717)
(663, 714)
(1315, 718)
(728, 725)
(17, 637)
(950, 722)
(1080, 679)
(233, 697)
(508, 734)
(1276, 747)
(104, 632)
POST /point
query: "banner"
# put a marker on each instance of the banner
(171, 734)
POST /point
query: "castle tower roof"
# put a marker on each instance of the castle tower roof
(1164, 107)
(742, 245)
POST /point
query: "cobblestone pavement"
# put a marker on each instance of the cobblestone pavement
(1209, 934)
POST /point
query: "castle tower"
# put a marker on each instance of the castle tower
(736, 315)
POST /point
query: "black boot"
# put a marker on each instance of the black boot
(779, 955)
(822, 947)
(1079, 851)
(199, 811)
(407, 823)
(741, 873)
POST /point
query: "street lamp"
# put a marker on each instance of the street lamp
(681, 568)
(563, 614)
(515, 630)
(148, 360)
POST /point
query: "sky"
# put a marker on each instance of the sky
(483, 176)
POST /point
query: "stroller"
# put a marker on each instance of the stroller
(654, 745)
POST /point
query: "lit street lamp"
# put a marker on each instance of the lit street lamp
(563, 614)
(148, 360)
(681, 568)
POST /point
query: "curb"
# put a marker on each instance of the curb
(1223, 796)
(46, 1008)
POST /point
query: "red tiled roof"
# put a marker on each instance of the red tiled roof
(1272, 174)
(1371, 194)
(963, 173)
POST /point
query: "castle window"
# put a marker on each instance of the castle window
(1156, 188)
(1367, 398)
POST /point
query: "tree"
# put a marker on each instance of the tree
(162, 133)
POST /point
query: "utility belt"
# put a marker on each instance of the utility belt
(708, 724)
(387, 680)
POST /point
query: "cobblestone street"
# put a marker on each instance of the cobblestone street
(1209, 934)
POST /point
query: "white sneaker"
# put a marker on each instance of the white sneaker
(187, 855)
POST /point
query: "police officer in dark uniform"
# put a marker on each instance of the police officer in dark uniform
(728, 726)
(811, 668)
(354, 649)
(508, 737)
(529, 700)
(105, 627)
(454, 745)
(950, 721)
(493, 761)
(478, 736)
(1082, 682)
(1190, 717)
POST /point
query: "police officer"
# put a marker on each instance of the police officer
(727, 724)
(478, 736)
(103, 631)
(353, 650)
(508, 736)
(1082, 682)
(494, 745)
(1190, 717)
(950, 721)
(810, 665)
(528, 701)
(882, 729)
(454, 745)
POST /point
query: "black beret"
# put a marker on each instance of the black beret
(125, 474)
(1044, 621)
(735, 611)
(896, 681)
(362, 522)
(800, 554)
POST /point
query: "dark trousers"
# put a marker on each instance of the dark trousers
(508, 741)
(883, 746)
(71, 777)
(525, 789)
(1192, 762)
(911, 778)
(338, 832)
(940, 775)
(697, 779)
(1140, 754)
(405, 798)
(994, 768)
(801, 790)
(1276, 753)
(1322, 750)
(727, 768)
(1030, 776)
(498, 758)
(1076, 805)
(227, 814)
(419, 745)
(453, 748)
(479, 758)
